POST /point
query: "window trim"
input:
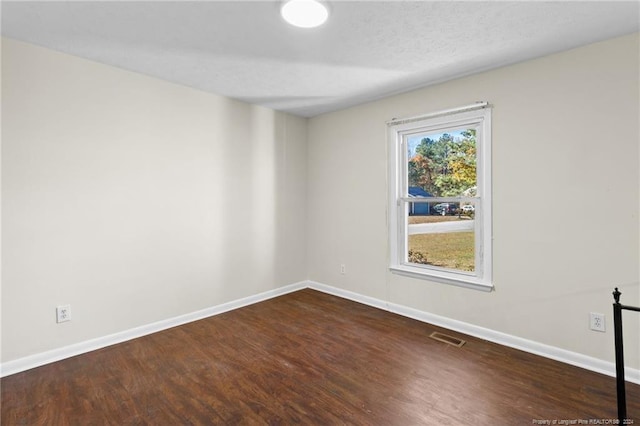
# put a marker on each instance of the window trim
(477, 115)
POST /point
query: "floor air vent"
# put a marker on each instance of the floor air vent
(449, 340)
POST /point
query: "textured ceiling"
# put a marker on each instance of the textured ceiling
(365, 51)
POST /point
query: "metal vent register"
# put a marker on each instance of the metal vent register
(449, 340)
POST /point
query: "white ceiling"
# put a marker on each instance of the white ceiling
(365, 51)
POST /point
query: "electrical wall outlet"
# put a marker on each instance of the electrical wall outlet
(63, 313)
(343, 269)
(596, 322)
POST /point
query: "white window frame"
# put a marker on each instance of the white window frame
(476, 116)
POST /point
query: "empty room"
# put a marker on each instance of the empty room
(320, 212)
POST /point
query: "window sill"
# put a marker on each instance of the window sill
(444, 278)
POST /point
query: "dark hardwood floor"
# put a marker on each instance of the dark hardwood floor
(307, 358)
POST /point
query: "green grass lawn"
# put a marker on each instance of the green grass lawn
(453, 250)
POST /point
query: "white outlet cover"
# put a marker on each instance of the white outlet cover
(63, 313)
(597, 322)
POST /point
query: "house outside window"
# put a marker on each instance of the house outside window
(440, 196)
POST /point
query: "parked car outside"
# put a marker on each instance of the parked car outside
(469, 208)
(445, 208)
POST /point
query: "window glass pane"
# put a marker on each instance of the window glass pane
(440, 196)
(442, 164)
(441, 235)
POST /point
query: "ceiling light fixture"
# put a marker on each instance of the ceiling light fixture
(304, 13)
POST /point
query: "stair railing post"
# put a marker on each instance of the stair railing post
(620, 381)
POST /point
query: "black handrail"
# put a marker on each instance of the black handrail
(620, 383)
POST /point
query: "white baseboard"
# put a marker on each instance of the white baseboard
(562, 355)
(547, 351)
(32, 361)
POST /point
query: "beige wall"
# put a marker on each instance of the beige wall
(565, 173)
(135, 200)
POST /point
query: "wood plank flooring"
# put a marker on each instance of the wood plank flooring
(307, 358)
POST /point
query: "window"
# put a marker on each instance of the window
(440, 196)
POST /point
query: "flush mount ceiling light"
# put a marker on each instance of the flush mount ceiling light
(304, 13)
